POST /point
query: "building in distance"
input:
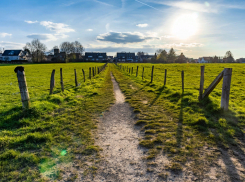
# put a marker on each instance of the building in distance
(95, 56)
(15, 55)
(126, 57)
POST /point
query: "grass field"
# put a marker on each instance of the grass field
(35, 144)
(188, 131)
(38, 80)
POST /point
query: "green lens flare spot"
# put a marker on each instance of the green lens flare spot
(63, 152)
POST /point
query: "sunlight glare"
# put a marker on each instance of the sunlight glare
(185, 26)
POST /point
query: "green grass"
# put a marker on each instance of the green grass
(38, 80)
(177, 121)
(36, 143)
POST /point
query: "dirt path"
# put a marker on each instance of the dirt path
(119, 139)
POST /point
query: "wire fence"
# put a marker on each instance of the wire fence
(10, 93)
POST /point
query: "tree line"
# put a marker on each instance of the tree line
(38, 50)
(162, 56)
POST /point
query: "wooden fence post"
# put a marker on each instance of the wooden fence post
(137, 71)
(226, 89)
(182, 76)
(26, 104)
(84, 75)
(201, 82)
(52, 82)
(132, 70)
(129, 70)
(61, 80)
(165, 77)
(90, 73)
(75, 71)
(93, 71)
(143, 73)
(152, 74)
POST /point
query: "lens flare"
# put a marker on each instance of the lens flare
(185, 26)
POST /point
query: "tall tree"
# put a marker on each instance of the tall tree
(71, 47)
(229, 57)
(78, 48)
(171, 56)
(162, 56)
(36, 49)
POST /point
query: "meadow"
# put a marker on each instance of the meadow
(193, 134)
(38, 81)
(37, 143)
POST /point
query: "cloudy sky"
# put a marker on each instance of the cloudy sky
(196, 28)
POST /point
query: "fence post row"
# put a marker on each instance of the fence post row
(152, 74)
(137, 71)
(201, 82)
(83, 75)
(165, 77)
(52, 82)
(90, 73)
(226, 88)
(75, 71)
(143, 73)
(61, 80)
(26, 104)
(182, 75)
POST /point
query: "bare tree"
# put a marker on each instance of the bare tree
(36, 49)
(229, 57)
(78, 47)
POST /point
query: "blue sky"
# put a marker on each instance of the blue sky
(196, 28)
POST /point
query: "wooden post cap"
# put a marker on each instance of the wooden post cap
(19, 68)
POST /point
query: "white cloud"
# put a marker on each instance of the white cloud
(184, 45)
(124, 37)
(11, 45)
(31, 22)
(142, 25)
(5, 34)
(167, 36)
(90, 30)
(47, 37)
(57, 27)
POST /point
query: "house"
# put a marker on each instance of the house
(126, 57)
(1, 58)
(205, 60)
(110, 58)
(9, 55)
(181, 59)
(241, 60)
(58, 56)
(95, 56)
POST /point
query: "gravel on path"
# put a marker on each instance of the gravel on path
(119, 139)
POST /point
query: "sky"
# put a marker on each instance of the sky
(193, 27)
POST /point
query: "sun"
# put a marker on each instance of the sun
(185, 26)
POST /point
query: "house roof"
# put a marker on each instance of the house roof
(11, 52)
